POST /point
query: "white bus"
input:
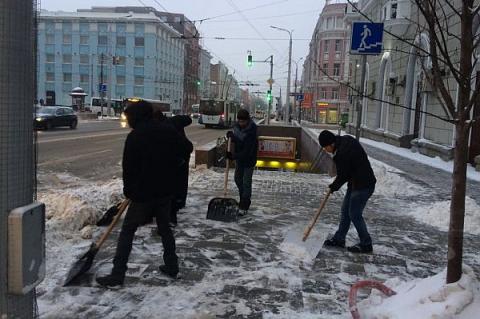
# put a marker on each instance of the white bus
(219, 113)
(96, 106)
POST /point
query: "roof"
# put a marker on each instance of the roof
(107, 17)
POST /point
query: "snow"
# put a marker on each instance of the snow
(428, 298)
(74, 205)
(435, 162)
(438, 214)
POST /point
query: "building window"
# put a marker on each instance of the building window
(50, 58)
(338, 46)
(325, 47)
(102, 27)
(84, 27)
(139, 61)
(67, 58)
(325, 69)
(121, 28)
(393, 10)
(329, 23)
(121, 41)
(139, 41)
(138, 91)
(336, 69)
(84, 39)
(67, 77)
(323, 93)
(102, 40)
(50, 77)
(67, 39)
(139, 80)
(50, 39)
(177, 19)
(84, 59)
(120, 79)
(335, 94)
(84, 78)
(339, 23)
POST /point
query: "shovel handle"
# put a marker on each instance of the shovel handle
(227, 168)
(121, 209)
(309, 228)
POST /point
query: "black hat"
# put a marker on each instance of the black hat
(138, 111)
(243, 115)
(326, 138)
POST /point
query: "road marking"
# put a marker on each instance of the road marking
(73, 138)
(72, 158)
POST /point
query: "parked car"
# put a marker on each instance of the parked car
(55, 116)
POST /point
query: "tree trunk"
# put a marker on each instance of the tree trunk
(457, 206)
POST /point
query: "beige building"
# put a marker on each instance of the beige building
(400, 105)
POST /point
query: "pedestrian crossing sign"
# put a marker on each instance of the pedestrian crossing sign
(367, 38)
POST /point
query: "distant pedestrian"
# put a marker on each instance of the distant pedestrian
(244, 136)
(353, 168)
(151, 150)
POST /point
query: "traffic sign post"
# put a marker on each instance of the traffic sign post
(299, 97)
(367, 39)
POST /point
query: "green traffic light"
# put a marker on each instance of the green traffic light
(198, 83)
(249, 61)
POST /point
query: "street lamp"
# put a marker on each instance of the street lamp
(295, 101)
(287, 107)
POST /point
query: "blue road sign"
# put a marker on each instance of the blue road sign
(299, 97)
(102, 87)
(367, 38)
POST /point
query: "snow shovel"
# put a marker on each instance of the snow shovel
(86, 261)
(222, 208)
(296, 243)
(109, 215)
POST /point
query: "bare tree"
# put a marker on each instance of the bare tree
(452, 28)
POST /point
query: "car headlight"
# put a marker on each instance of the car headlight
(39, 119)
(123, 117)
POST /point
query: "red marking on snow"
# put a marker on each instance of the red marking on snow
(352, 297)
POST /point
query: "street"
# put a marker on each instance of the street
(94, 150)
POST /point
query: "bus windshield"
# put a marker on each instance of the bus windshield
(211, 107)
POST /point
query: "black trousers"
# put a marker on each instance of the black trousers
(136, 215)
(181, 190)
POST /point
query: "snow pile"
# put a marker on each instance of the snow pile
(390, 182)
(438, 214)
(428, 298)
(71, 209)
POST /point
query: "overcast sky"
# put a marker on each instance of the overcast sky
(299, 15)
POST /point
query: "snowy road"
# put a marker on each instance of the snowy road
(94, 150)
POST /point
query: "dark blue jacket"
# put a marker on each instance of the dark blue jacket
(246, 144)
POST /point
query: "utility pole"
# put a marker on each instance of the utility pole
(17, 56)
(102, 92)
(289, 78)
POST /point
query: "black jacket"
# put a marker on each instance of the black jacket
(246, 144)
(179, 123)
(352, 165)
(151, 152)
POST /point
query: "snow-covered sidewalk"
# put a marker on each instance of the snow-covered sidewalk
(237, 270)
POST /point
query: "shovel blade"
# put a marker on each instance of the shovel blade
(81, 266)
(305, 250)
(223, 209)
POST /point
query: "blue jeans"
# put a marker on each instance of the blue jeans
(243, 179)
(352, 212)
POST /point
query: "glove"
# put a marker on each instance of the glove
(332, 188)
(229, 134)
(230, 155)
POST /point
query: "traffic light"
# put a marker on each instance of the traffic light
(249, 59)
(198, 82)
(269, 95)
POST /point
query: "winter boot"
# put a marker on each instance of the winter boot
(332, 242)
(171, 272)
(111, 280)
(359, 248)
